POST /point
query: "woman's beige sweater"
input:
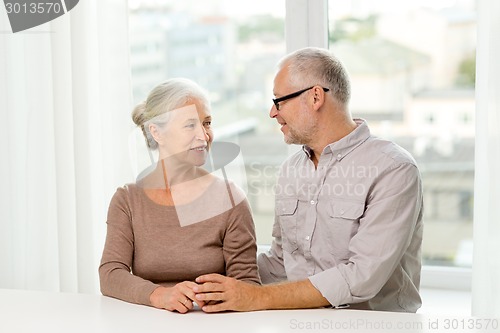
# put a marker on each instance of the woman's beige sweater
(147, 244)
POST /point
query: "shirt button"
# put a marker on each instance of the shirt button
(342, 212)
(313, 202)
(339, 156)
(307, 237)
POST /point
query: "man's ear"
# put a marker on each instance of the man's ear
(318, 98)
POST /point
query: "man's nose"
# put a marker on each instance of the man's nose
(273, 112)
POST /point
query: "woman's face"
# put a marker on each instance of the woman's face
(187, 135)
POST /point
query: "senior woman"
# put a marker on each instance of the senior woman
(177, 221)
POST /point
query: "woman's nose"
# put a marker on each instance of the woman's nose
(207, 134)
(201, 133)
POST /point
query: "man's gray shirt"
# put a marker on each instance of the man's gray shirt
(352, 226)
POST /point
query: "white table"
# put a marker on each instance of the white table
(32, 311)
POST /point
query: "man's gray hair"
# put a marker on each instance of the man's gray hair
(316, 66)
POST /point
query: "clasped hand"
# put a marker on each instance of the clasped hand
(212, 293)
(221, 293)
(177, 298)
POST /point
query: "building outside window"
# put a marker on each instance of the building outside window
(412, 69)
(412, 66)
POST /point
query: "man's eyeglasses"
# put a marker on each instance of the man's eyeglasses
(277, 101)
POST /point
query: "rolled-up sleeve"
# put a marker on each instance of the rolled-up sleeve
(386, 230)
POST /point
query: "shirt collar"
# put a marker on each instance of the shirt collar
(347, 144)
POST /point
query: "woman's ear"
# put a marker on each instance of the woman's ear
(155, 133)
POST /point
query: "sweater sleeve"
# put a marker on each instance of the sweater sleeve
(239, 246)
(116, 279)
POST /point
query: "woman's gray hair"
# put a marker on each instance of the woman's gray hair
(167, 96)
(315, 66)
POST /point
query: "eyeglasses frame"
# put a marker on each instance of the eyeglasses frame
(276, 101)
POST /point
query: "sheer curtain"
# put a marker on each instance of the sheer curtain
(65, 102)
(486, 264)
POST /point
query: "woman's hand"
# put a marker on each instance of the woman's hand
(177, 298)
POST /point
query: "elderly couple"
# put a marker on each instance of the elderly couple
(181, 235)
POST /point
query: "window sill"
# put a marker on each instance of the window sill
(446, 278)
(433, 277)
(441, 302)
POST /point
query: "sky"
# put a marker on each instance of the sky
(340, 8)
(231, 8)
(235, 8)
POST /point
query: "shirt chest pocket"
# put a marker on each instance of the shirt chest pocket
(286, 211)
(343, 224)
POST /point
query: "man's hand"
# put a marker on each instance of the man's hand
(230, 294)
(221, 293)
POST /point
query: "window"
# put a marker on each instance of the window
(412, 66)
(230, 48)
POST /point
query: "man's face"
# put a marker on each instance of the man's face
(294, 115)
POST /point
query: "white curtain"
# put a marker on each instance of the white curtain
(486, 264)
(65, 102)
